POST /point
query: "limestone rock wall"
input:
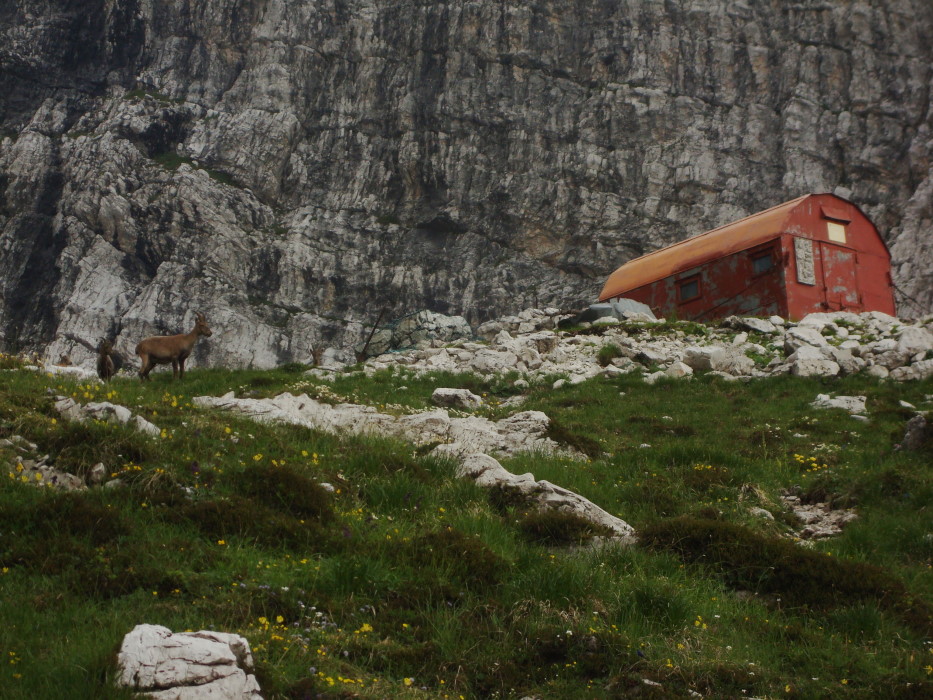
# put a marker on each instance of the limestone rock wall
(291, 168)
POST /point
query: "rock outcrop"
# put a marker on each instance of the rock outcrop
(458, 435)
(466, 440)
(290, 169)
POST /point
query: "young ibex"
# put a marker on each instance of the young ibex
(163, 349)
(105, 364)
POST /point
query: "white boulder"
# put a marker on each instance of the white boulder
(678, 370)
(160, 664)
(913, 340)
(800, 336)
(701, 357)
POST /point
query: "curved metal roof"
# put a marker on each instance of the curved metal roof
(687, 254)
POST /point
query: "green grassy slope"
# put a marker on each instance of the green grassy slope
(407, 582)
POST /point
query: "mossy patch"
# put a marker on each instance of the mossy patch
(239, 517)
(573, 437)
(285, 490)
(802, 577)
(465, 559)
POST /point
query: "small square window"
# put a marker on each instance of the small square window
(690, 289)
(762, 263)
(836, 231)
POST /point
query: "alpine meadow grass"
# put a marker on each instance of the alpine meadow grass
(399, 580)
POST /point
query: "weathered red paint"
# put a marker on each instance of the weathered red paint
(759, 266)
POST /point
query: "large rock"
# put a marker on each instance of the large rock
(162, 665)
(493, 362)
(524, 431)
(750, 323)
(701, 358)
(734, 362)
(456, 398)
(625, 309)
(912, 340)
(801, 336)
(850, 404)
(809, 361)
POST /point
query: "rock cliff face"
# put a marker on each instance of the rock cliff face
(291, 168)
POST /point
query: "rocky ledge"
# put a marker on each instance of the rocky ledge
(822, 344)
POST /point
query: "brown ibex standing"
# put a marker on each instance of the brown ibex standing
(105, 365)
(163, 349)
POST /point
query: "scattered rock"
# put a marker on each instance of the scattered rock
(71, 410)
(27, 466)
(820, 520)
(819, 345)
(758, 325)
(456, 398)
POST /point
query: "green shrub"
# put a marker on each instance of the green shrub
(77, 515)
(171, 161)
(503, 498)
(557, 527)
(607, 353)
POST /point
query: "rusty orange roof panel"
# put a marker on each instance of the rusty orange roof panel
(687, 254)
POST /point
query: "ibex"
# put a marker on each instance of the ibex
(105, 365)
(163, 349)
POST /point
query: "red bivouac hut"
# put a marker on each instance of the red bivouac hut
(818, 252)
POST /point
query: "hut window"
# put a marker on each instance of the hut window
(690, 289)
(836, 231)
(762, 262)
